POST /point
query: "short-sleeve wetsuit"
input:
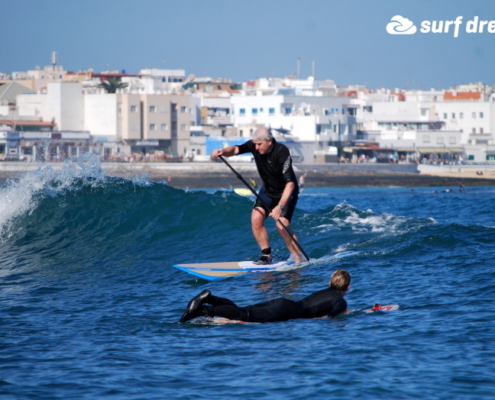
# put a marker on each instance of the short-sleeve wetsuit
(327, 302)
(275, 170)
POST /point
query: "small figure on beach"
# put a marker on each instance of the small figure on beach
(328, 302)
(301, 182)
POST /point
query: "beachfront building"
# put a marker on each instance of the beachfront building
(40, 77)
(142, 122)
(308, 118)
(155, 122)
(211, 104)
(430, 125)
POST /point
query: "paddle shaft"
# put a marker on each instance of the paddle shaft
(261, 200)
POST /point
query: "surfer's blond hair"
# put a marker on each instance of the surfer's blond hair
(341, 279)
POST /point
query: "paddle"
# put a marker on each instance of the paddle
(261, 200)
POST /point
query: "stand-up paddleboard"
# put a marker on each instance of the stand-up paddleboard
(226, 321)
(220, 270)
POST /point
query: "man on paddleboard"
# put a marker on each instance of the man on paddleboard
(328, 302)
(279, 191)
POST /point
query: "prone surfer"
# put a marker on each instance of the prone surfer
(279, 191)
(328, 302)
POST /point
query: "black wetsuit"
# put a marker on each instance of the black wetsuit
(327, 302)
(275, 169)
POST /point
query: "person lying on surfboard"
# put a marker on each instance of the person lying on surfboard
(328, 302)
(279, 193)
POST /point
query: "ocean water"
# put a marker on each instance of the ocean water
(90, 301)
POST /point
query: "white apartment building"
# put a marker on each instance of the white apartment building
(143, 121)
(455, 121)
(300, 87)
(309, 118)
(156, 81)
(211, 110)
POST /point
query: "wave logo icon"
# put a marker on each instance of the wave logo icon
(399, 25)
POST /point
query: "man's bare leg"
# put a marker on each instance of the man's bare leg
(289, 242)
(260, 233)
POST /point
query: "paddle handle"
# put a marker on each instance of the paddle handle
(261, 200)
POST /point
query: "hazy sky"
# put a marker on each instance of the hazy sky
(248, 39)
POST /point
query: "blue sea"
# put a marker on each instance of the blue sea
(90, 301)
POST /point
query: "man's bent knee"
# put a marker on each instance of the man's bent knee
(258, 217)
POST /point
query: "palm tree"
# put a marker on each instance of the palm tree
(111, 84)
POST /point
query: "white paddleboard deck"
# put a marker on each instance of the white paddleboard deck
(220, 270)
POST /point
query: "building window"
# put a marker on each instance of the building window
(242, 111)
(287, 110)
(474, 115)
(164, 127)
(152, 109)
(474, 130)
(133, 108)
(481, 130)
(254, 111)
(481, 115)
(163, 109)
(271, 111)
(183, 109)
(261, 109)
(453, 115)
(461, 115)
(152, 127)
(426, 138)
(183, 127)
(440, 140)
(444, 115)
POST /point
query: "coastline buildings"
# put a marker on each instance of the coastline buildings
(449, 125)
(51, 113)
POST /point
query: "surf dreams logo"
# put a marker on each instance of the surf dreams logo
(399, 25)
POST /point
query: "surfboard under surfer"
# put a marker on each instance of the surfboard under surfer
(328, 302)
(279, 192)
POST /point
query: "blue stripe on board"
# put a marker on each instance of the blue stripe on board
(207, 277)
(224, 269)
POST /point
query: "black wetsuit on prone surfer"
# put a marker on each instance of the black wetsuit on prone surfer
(279, 192)
(328, 302)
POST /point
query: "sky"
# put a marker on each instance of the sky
(348, 41)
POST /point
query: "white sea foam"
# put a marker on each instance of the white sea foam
(19, 197)
(367, 221)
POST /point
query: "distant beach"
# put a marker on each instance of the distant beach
(208, 175)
